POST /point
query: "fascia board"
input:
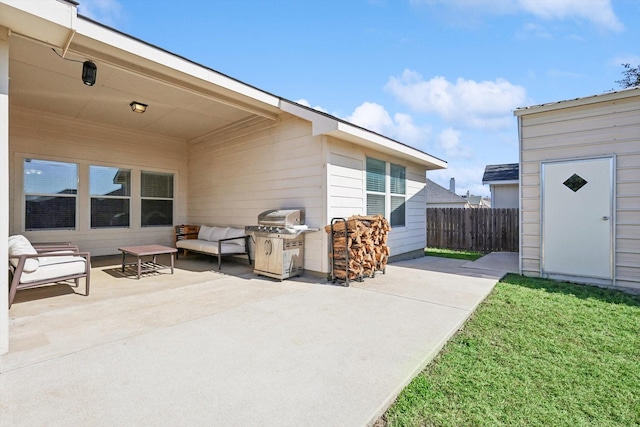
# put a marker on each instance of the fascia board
(506, 182)
(50, 22)
(135, 47)
(325, 125)
(378, 142)
(578, 102)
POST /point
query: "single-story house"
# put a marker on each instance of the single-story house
(440, 197)
(108, 141)
(580, 189)
(477, 202)
(504, 183)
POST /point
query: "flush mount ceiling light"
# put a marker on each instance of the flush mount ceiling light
(138, 107)
(89, 73)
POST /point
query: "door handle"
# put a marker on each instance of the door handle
(605, 218)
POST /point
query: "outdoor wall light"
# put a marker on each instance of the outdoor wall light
(89, 73)
(138, 107)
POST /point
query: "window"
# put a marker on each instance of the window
(386, 191)
(156, 190)
(398, 194)
(110, 190)
(50, 190)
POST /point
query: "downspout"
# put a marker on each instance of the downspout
(65, 48)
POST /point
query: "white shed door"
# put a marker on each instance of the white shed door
(577, 218)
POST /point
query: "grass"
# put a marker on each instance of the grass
(448, 253)
(535, 353)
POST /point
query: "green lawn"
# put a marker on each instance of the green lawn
(448, 253)
(535, 353)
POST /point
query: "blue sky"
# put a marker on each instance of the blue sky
(443, 76)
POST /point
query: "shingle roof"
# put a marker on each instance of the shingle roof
(506, 172)
(438, 194)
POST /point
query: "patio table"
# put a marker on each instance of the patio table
(147, 250)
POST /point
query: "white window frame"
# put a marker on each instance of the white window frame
(387, 194)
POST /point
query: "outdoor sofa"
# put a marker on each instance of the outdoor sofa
(214, 241)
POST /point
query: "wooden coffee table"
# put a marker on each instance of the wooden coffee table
(147, 250)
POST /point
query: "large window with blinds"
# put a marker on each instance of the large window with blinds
(156, 191)
(50, 194)
(110, 190)
(386, 191)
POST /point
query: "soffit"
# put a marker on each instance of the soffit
(178, 107)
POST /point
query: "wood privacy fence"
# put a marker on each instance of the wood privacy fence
(481, 230)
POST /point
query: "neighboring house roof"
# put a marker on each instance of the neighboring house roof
(501, 174)
(438, 195)
(478, 202)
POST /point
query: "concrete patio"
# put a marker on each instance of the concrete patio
(203, 347)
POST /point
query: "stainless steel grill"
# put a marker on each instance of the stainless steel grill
(279, 243)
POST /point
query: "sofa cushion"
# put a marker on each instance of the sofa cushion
(190, 244)
(20, 245)
(235, 232)
(205, 232)
(225, 248)
(218, 233)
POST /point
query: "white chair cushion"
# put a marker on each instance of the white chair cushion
(20, 245)
(51, 271)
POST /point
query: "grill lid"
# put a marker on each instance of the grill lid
(281, 217)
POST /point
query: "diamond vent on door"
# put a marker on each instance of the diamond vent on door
(575, 182)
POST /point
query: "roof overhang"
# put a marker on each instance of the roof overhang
(505, 182)
(579, 102)
(186, 100)
(324, 124)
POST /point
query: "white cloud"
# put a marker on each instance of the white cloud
(307, 104)
(107, 12)
(598, 12)
(449, 140)
(485, 105)
(374, 117)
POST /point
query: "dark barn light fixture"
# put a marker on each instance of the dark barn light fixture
(89, 69)
(89, 73)
(138, 107)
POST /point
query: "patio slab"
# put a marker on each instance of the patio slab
(235, 350)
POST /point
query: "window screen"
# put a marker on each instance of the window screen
(110, 190)
(157, 199)
(50, 190)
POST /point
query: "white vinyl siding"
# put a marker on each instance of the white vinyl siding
(242, 171)
(347, 193)
(51, 137)
(599, 129)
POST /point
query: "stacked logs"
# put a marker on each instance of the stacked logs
(365, 238)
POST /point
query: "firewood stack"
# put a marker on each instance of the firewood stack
(366, 241)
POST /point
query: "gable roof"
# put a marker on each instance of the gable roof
(189, 101)
(499, 174)
(439, 194)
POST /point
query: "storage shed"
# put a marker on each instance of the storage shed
(580, 189)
